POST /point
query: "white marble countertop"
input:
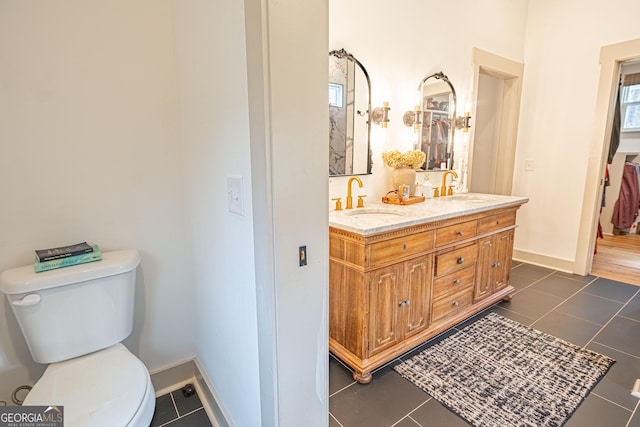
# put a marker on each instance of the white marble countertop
(377, 217)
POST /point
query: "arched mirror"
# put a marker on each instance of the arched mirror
(434, 120)
(349, 111)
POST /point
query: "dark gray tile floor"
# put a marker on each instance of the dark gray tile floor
(600, 314)
(175, 409)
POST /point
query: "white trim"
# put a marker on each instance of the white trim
(541, 260)
(186, 372)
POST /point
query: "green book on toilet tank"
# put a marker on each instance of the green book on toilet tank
(96, 255)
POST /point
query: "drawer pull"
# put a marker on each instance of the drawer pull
(456, 281)
(404, 247)
(460, 233)
(460, 260)
(455, 303)
(404, 303)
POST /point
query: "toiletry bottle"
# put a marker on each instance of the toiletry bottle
(427, 188)
(417, 190)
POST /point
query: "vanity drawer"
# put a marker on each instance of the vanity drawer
(496, 222)
(393, 249)
(457, 259)
(454, 282)
(455, 233)
(451, 305)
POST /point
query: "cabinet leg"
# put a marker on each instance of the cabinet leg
(507, 298)
(363, 378)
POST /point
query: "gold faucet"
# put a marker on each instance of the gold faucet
(443, 189)
(349, 197)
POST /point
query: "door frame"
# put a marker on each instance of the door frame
(510, 72)
(611, 59)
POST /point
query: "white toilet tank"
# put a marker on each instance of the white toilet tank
(72, 311)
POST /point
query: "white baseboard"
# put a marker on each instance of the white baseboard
(547, 261)
(190, 372)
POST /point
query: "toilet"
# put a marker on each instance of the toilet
(74, 319)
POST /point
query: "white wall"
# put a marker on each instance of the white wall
(298, 128)
(400, 45)
(212, 82)
(88, 129)
(556, 122)
(262, 329)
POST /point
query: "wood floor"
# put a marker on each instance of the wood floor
(618, 258)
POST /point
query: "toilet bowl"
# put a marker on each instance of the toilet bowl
(74, 319)
(120, 392)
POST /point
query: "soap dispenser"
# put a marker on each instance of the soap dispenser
(427, 187)
(417, 190)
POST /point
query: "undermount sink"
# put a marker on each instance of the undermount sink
(378, 212)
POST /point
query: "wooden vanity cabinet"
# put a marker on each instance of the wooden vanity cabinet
(392, 291)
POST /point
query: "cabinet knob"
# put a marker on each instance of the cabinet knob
(460, 260)
(460, 233)
(404, 303)
(455, 303)
(456, 281)
(404, 247)
(495, 265)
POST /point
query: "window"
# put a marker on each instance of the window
(630, 104)
(335, 95)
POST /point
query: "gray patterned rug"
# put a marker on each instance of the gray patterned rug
(498, 372)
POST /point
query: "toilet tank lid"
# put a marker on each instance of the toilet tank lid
(24, 279)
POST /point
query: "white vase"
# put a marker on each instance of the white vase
(403, 175)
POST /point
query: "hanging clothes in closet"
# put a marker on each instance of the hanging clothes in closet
(625, 210)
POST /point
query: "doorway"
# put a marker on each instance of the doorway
(497, 90)
(617, 254)
(611, 59)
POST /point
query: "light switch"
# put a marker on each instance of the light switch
(234, 194)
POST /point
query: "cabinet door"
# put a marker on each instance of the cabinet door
(415, 295)
(383, 307)
(484, 273)
(502, 259)
(494, 264)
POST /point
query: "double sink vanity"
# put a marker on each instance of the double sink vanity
(399, 275)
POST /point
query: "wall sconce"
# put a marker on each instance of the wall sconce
(464, 122)
(380, 115)
(413, 118)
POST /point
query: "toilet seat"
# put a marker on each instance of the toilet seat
(106, 388)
